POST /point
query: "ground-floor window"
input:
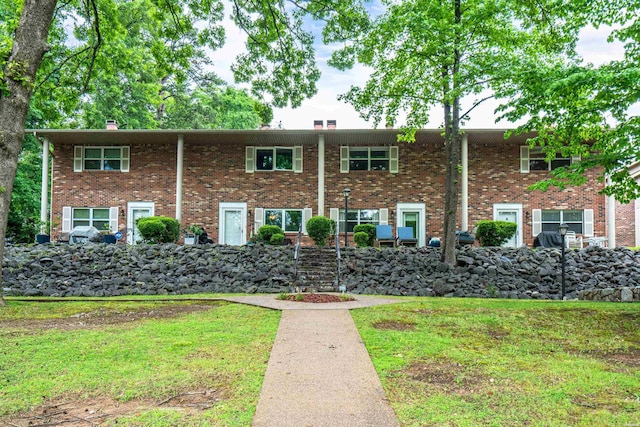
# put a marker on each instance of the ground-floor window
(287, 219)
(96, 217)
(551, 219)
(359, 216)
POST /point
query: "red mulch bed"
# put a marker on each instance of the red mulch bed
(318, 298)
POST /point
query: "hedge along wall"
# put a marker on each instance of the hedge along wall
(105, 270)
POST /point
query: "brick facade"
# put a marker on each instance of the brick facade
(626, 228)
(214, 173)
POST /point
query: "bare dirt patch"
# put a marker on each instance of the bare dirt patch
(447, 377)
(101, 317)
(100, 410)
(395, 325)
(630, 358)
(318, 298)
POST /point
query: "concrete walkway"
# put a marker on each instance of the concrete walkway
(319, 372)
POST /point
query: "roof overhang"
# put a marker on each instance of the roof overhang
(371, 137)
(634, 171)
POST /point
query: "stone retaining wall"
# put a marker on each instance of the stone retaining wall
(611, 295)
(103, 270)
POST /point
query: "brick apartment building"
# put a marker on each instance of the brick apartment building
(230, 182)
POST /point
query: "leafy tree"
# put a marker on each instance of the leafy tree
(279, 56)
(428, 54)
(212, 105)
(587, 110)
(24, 215)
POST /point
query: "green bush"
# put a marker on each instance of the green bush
(276, 239)
(159, 229)
(267, 231)
(370, 229)
(319, 228)
(361, 238)
(495, 233)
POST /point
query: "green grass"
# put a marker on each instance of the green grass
(473, 362)
(225, 348)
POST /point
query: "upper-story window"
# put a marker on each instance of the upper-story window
(101, 158)
(273, 159)
(534, 159)
(368, 159)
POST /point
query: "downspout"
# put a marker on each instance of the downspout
(321, 174)
(179, 170)
(44, 186)
(464, 191)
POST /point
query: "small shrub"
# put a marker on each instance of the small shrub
(276, 239)
(159, 229)
(495, 233)
(370, 229)
(267, 231)
(282, 296)
(319, 228)
(361, 238)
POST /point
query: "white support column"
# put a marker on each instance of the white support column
(321, 174)
(179, 170)
(44, 194)
(611, 220)
(464, 192)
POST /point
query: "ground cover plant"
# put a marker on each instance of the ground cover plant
(474, 362)
(133, 363)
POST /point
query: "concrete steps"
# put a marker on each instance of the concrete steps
(317, 269)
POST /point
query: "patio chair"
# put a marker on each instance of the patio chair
(384, 236)
(405, 237)
(573, 241)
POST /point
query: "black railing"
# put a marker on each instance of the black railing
(340, 288)
(296, 251)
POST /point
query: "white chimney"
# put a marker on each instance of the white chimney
(318, 124)
(331, 124)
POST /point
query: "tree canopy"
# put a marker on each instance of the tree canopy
(435, 54)
(587, 110)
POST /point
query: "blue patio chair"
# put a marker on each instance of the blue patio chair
(405, 237)
(384, 236)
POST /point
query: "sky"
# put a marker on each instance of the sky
(593, 47)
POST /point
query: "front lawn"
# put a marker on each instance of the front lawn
(474, 362)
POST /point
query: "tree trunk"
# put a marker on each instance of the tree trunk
(29, 46)
(452, 147)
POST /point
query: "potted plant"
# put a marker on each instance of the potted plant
(191, 235)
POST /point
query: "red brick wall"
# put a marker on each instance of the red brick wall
(215, 174)
(151, 178)
(495, 177)
(625, 224)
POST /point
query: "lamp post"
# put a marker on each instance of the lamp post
(562, 229)
(346, 192)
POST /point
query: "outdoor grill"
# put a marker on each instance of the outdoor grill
(85, 234)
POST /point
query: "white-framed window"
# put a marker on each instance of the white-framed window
(94, 217)
(289, 220)
(95, 158)
(273, 159)
(579, 220)
(358, 216)
(368, 159)
(551, 219)
(534, 159)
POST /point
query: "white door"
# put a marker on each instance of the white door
(511, 213)
(233, 223)
(137, 210)
(412, 215)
